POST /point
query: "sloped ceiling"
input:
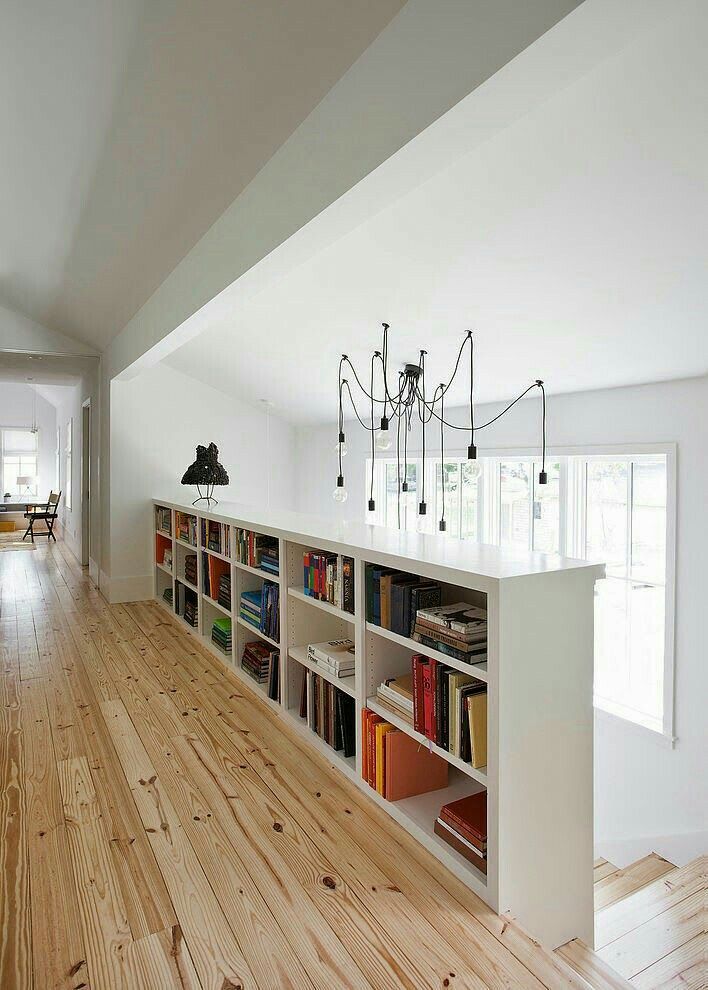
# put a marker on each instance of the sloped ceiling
(130, 126)
(574, 242)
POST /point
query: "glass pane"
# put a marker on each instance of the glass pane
(629, 650)
(449, 497)
(606, 532)
(14, 440)
(546, 510)
(649, 520)
(391, 495)
(514, 508)
(470, 500)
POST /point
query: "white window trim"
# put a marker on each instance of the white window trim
(572, 536)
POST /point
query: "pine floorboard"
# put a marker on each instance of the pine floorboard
(160, 827)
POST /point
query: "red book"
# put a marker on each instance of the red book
(468, 816)
(429, 699)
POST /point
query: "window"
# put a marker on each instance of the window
(19, 459)
(612, 509)
(67, 461)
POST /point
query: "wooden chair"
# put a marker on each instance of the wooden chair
(46, 512)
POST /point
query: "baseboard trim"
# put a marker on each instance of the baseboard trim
(126, 589)
(679, 848)
(94, 572)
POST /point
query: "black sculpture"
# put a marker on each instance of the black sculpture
(206, 471)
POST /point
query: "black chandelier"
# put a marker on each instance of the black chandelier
(409, 401)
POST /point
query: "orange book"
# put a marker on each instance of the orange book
(381, 730)
(411, 768)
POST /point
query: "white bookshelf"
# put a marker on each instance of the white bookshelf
(539, 677)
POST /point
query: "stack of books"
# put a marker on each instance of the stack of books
(186, 527)
(394, 763)
(329, 578)
(221, 635)
(167, 595)
(396, 695)
(191, 608)
(225, 590)
(252, 547)
(270, 560)
(450, 709)
(394, 597)
(463, 825)
(270, 610)
(167, 559)
(257, 660)
(190, 568)
(332, 715)
(250, 610)
(163, 519)
(458, 630)
(216, 536)
(335, 656)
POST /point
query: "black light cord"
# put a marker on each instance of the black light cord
(442, 459)
(373, 455)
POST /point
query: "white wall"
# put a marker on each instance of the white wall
(645, 790)
(16, 410)
(157, 420)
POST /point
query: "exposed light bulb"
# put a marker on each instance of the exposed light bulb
(340, 494)
(341, 448)
(383, 440)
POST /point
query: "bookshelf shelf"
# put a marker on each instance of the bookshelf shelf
(256, 632)
(258, 571)
(188, 584)
(346, 684)
(478, 670)
(215, 553)
(325, 606)
(162, 567)
(400, 723)
(217, 605)
(184, 543)
(540, 661)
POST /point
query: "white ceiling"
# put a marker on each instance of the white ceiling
(128, 127)
(44, 369)
(574, 242)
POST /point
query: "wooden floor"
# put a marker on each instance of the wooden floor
(159, 828)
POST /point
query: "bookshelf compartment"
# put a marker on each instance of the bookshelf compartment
(258, 552)
(186, 529)
(186, 566)
(163, 521)
(216, 538)
(217, 629)
(186, 604)
(322, 578)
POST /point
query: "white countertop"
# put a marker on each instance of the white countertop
(488, 561)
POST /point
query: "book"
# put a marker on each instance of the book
(410, 768)
(382, 728)
(429, 722)
(460, 617)
(348, 584)
(398, 690)
(460, 845)
(434, 644)
(468, 817)
(424, 595)
(452, 639)
(336, 653)
(476, 711)
(418, 662)
(395, 710)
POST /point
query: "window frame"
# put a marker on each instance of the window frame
(572, 529)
